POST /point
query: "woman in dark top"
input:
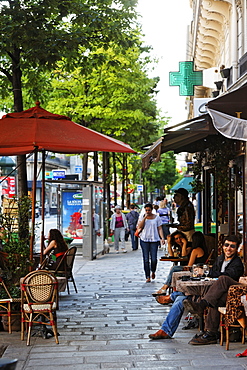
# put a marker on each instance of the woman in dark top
(199, 252)
(56, 247)
(196, 251)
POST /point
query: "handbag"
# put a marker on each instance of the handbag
(127, 233)
(137, 233)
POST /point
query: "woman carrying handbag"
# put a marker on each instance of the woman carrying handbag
(151, 235)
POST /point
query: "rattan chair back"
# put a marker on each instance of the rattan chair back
(65, 267)
(40, 286)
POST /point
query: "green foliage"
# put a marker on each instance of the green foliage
(219, 152)
(162, 173)
(36, 34)
(16, 262)
(116, 97)
(14, 291)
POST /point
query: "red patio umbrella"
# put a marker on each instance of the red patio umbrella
(36, 129)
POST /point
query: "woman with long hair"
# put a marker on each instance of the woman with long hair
(198, 255)
(56, 247)
(150, 236)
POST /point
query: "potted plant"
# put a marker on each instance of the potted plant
(15, 250)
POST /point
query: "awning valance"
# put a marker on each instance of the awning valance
(152, 155)
(187, 136)
(229, 113)
(229, 126)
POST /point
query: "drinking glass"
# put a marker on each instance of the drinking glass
(206, 270)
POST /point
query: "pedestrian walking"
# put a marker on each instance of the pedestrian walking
(132, 218)
(165, 214)
(118, 226)
(151, 233)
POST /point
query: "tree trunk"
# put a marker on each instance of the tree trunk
(22, 188)
(18, 107)
(123, 178)
(108, 192)
(84, 168)
(96, 166)
(114, 178)
(127, 183)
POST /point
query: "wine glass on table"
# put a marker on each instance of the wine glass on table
(206, 270)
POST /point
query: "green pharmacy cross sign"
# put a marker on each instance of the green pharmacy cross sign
(186, 78)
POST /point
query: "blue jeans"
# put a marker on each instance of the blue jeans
(149, 249)
(173, 318)
(134, 239)
(172, 270)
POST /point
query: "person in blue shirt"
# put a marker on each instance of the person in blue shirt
(132, 218)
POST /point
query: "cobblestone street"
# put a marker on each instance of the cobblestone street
(106, 325)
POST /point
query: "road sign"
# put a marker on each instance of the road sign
(140, 188)
(58, 174)
(78, 169)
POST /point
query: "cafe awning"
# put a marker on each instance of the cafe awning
(229, 113)
(187, 136)
(184, 183)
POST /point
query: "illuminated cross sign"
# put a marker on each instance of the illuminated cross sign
(186, 78)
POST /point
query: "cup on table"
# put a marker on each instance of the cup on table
(206, 270)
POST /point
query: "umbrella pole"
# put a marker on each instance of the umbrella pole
(33, 205)
(42, 237)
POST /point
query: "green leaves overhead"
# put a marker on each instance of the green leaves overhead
(114, 97)
(47, 31)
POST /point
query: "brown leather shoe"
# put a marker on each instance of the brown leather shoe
(163, 299)
(160, 334)
(153, 275)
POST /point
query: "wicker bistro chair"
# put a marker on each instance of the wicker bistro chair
(231, 314)
(65, 267)
(6, 305)
(39, 300)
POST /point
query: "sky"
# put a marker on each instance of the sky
(164, 23)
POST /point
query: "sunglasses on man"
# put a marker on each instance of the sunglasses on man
(230, 245)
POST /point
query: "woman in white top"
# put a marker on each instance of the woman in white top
(151, 226)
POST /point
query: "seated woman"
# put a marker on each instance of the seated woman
(56, 248)
(177, 243)
(198, 254)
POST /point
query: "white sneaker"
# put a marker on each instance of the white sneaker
(124, 251)
(117, 252)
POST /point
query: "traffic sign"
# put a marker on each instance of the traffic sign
(78, 169)
(140, 188)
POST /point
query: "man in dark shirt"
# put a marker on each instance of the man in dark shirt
(185, 212)
(132, 218)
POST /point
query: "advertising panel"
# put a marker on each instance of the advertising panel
(71, 208)
(8, 186)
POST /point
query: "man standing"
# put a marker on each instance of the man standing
(132, 218)
(229, 266)
(185, 213)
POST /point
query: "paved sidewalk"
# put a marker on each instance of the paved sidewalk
(106, 325)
